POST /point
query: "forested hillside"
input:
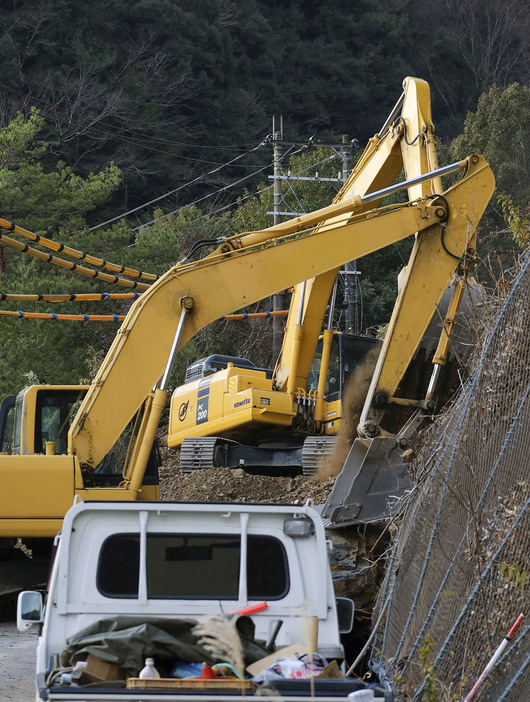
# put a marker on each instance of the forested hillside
(107, 106)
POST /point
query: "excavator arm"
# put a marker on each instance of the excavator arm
(406, 141)
(247, 268)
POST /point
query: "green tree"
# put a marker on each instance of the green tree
(52, 201)
(498, 129)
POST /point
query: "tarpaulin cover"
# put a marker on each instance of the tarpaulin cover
(128, 641)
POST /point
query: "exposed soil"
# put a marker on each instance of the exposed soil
(226, 485)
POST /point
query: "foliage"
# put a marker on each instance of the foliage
(43, 200)
(26, 186)
(167, 88)
(467, 47)
(171, 91)
(518, 222)
(169, 238)
(426, 661)
(498, 129)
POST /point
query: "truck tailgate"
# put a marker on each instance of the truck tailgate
(323, 690)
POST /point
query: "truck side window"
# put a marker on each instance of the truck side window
(118, 566)
(194, 566)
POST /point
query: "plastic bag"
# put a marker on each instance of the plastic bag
(293, 668)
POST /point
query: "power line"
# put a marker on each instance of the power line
(181, 187)
(234, 202)
(192, 182)
(158, 140)
(195, 180)
(205, 197)
(129, 140)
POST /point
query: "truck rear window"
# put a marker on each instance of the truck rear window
(204, 566)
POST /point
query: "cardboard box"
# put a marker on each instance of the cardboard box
(101, 670)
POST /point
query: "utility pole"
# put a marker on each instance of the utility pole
(277, 300)
(351, 298)
(345, 154)
(353, 312)
(343, 150)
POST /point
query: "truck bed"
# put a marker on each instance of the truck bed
(328, 690)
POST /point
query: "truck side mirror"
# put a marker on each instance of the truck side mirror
(345, 612)
(29, 609)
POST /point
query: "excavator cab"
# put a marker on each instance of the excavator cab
(55, 409)
(348, 354)
(37, 421)
(37, 416)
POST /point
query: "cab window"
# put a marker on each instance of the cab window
(203, 566)
(333, 379)
(55, 412)
(7, 420)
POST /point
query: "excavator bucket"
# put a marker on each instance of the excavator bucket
(373, 476)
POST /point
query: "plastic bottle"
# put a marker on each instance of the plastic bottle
(361, 696)
(149, 671)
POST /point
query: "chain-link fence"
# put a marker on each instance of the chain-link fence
(459, 572)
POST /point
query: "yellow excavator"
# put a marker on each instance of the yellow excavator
(130, 387)
(231, 414)
(34, 423)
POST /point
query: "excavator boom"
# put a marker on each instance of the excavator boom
(405, 142)
(249, 267)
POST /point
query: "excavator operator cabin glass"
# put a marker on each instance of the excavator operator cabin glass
(348, 353)
(354, 353)
(17, 434)
(55, 412)
(333, 381)
(7, 424)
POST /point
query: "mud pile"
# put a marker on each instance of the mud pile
(226, 485)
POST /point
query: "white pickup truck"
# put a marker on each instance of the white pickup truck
(131, 580)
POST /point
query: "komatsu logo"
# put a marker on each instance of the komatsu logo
(183, 411)
(246, 401)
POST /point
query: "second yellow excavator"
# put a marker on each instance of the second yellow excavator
(285, 421)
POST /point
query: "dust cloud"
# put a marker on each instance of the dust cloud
(353, 397)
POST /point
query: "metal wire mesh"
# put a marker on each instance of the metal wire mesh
(458, 577)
